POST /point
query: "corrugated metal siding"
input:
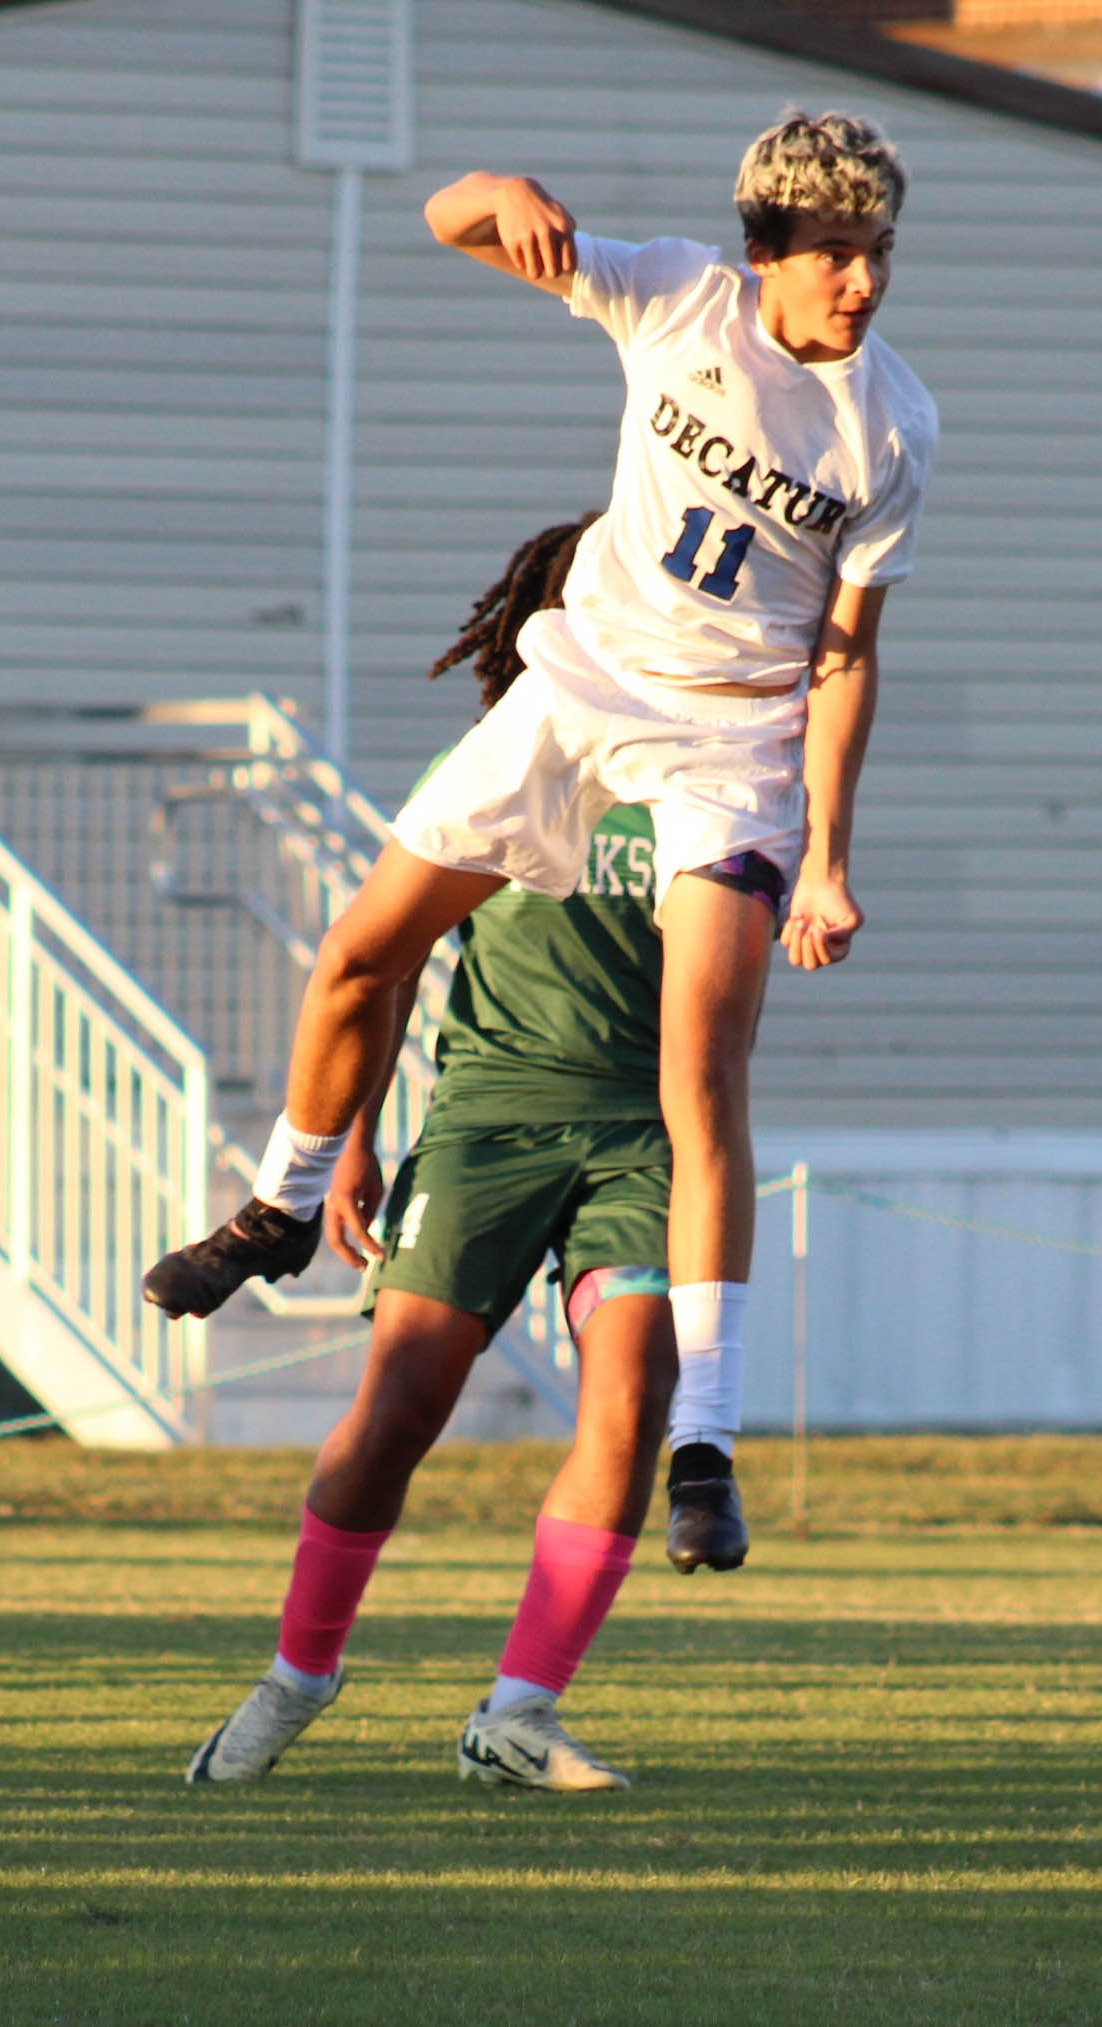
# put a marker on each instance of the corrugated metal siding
(162, 357)
(161, 431)
(935, 1313)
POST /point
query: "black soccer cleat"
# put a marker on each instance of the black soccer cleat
(706, 1524)
(258, 1240)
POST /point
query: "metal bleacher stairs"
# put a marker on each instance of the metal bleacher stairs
(166, 874)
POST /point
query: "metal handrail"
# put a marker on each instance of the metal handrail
(259, 842)
(320, 821)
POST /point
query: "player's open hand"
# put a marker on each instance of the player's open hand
(822, 922)
(354, 1197)
(535, 230)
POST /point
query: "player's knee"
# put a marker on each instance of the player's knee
(390, 1441)
(408, 1440)
(703, 1097)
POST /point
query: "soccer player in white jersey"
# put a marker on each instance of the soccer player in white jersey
(716, 659)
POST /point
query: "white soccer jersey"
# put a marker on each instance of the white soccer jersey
(744, 479)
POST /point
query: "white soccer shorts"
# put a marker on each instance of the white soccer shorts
(522, 791)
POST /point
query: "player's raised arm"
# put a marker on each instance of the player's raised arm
(824, 917)
(509, 222)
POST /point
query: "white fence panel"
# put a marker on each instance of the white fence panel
(967, 1296)
(104, 1103)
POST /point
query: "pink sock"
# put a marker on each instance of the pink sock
(575, 1575)
(332, 1567)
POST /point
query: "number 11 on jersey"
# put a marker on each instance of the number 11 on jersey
(680, 561)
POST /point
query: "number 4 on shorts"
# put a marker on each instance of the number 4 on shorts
(680, 561)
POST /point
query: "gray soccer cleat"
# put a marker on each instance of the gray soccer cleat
(250, 1742)
(525, 1746)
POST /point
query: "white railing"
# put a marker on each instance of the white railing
(314, 839)
(104, 1103)
(254, 841)
(282, 842)
(257, 844)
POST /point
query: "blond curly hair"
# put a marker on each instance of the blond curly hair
(835, 164)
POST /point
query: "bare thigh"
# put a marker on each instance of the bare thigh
(717, 947)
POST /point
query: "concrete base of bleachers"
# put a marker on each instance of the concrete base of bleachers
(300, 1403)
(91, 1398)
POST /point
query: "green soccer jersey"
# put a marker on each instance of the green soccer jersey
(553, 1011)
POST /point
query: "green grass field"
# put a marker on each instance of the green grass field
(866, 1766)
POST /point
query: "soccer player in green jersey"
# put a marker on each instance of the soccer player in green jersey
(545, 1132)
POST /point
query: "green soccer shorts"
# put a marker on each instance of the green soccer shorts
(472, 1215)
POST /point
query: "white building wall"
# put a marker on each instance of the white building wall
(162, 361)
(954, 1280)
(162, 355)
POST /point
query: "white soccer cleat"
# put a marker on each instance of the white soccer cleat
(525, 1746)
(248, 1745)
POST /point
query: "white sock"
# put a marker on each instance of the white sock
(310, 1685)
(512, 1688)
(296, 1168)
(707, 1403)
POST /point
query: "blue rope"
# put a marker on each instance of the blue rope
(26, 1424)
(930, 1217)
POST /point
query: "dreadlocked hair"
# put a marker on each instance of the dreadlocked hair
(533, 580)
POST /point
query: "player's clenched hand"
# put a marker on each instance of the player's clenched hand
(355, 1194)
(536, 231)
(822, 922)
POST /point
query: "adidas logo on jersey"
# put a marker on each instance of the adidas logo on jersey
(709, 376)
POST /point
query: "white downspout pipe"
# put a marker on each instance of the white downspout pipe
(344, 277)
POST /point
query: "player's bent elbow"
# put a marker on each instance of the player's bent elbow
(345, 964)
(446, 213)
(434, 218)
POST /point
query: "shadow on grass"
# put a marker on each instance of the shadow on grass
(756, 1730)
(635, 1953)
(802, 1843)
(119, 1642)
